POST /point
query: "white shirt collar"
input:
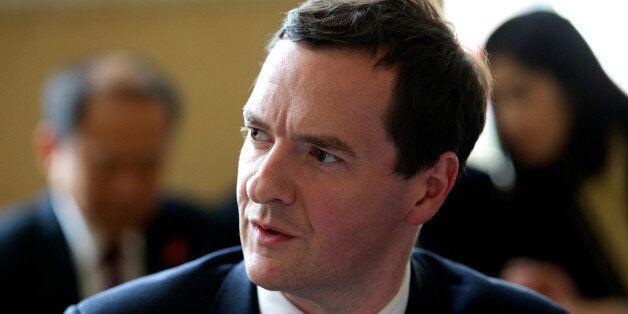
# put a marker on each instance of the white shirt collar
(274, 302)
(86, 245)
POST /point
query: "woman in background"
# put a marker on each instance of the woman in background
(564, 125)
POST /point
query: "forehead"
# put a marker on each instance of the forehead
(507, 70)
(305, 87)
(509, 73)
(123, 125)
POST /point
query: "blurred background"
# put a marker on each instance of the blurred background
(212, 51)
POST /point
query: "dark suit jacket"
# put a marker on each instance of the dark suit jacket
(37, 273)
(217, 283)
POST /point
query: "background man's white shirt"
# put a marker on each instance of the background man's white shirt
(86, 247)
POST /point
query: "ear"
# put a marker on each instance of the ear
(45, 142)
(432, 186)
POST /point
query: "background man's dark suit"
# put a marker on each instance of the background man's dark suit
(217, 283)
(36, 270)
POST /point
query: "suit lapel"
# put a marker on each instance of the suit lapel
(167, 243)
(237, 293)
(57, 266)
(426, 295)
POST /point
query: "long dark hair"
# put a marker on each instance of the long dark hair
(546, 41)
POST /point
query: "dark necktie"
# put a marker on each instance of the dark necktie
(111, 261)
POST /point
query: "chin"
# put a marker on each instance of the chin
(266, 273)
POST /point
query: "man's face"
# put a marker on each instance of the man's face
(112, 165)
(319, 204)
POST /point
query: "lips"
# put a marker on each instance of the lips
(271, 231)
(269, 235)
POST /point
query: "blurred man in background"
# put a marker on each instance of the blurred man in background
(102, 144)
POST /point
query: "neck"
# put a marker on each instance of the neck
(370, 294)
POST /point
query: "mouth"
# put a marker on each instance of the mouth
(269, 228)
(267, 235)
(272, 231)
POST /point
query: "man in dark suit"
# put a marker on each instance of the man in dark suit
(103, 219)
(357, 127)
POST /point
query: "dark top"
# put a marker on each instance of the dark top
(468, 227)
(545, 221)
(217, 283)
(540, 219)
(37, 273)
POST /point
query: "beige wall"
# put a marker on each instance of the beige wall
(212, 51)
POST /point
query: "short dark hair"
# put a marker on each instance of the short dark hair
(69, 90)
(441, 92)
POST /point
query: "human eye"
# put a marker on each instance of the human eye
(254, 133)
(323, 156)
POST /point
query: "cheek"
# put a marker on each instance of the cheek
(514, 122)
(548, 114)
(537, 132)
(244, 173)
(96, 184)
(246, 169)
(521, 120)
(342, 213)
(552, 129)
(330, 210)
(87, 184)
(337, 227)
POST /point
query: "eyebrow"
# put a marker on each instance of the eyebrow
(325, 142)
(254, 120)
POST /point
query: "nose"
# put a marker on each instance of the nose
(271, 181)
(512, 122)
(127, 185)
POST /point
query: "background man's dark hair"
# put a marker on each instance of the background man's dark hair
(112, 75)
(441, 92)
